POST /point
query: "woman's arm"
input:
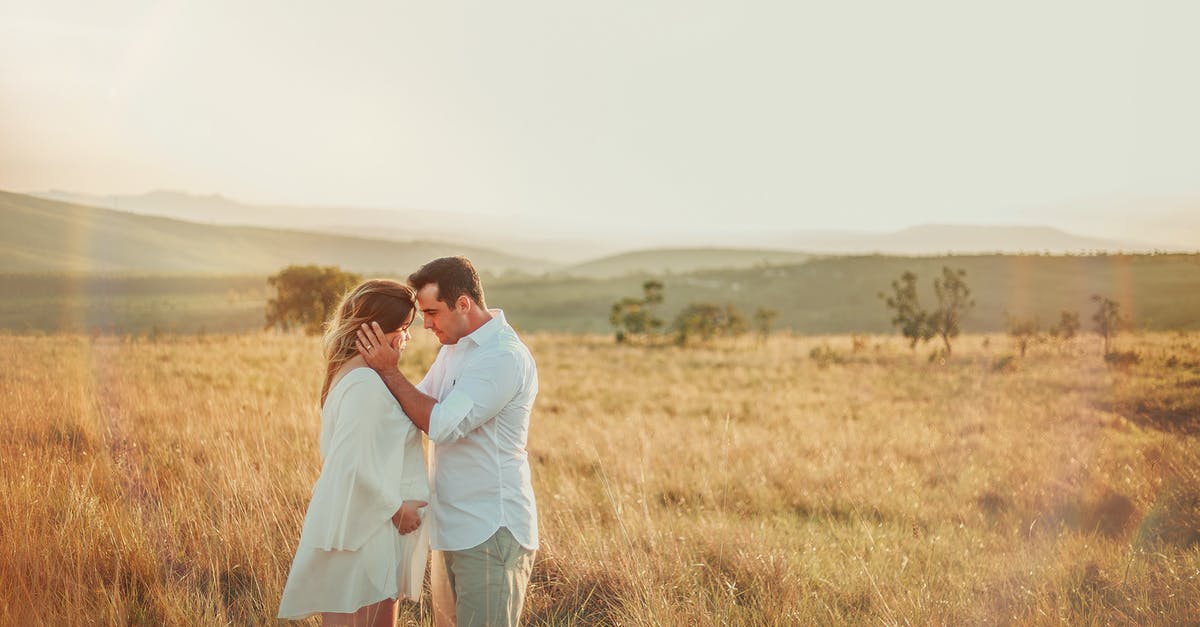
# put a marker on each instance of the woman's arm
(361, 483)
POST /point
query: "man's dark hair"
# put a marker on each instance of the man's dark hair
(454, 276)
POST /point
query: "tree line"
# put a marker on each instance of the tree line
(305, 295)
(954, 302)
(634, 318)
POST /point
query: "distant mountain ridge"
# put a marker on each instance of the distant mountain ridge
(681, 260)
(507, 235)
(112, 241)
(41, 235)
(565, 241)
(941, 239)
(976, 238)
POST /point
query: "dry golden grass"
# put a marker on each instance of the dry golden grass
(164, 482)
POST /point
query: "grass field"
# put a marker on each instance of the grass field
(164, 482)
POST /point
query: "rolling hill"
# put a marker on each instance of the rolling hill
(841, 294)
(113, 241)
(41, 235)
(509, 235)
(65, 266)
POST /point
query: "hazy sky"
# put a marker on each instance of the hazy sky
(855, 115)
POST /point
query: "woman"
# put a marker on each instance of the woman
(358, 554)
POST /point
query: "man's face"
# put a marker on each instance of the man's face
(449, 324)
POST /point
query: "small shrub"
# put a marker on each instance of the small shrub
(705, 321)
(631, 317)
(824, 355)
(1122, 359)
(992, 503)
(1175, 517)
(1067, 326)
(1005, 363)
(1175, 362)
(1100, 510)
(1022, 330)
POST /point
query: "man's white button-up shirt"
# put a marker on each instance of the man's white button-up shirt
(485, 386)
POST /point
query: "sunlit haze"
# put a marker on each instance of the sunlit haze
(686, 116)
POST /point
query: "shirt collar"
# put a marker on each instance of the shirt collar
(485, 333)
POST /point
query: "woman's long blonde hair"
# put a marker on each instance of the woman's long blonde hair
(390, 303)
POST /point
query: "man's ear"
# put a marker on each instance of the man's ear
(463, 303)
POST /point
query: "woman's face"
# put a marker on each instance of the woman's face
(400, 337)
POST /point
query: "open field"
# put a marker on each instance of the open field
(153, 482)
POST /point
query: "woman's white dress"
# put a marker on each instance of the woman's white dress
(350, 554)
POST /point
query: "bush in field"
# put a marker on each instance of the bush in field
(1022, 330)
(637, 316)
(305, 296)
(705, 321)
(764, 319)
(1005, 363)
(1067, 326)
(629, 317)
(825, 356)
(735, 322)
(1122, 359)
(1108, 319)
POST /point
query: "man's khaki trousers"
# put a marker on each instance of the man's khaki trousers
(488, 582)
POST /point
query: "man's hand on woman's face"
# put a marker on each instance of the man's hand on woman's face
(381, 355)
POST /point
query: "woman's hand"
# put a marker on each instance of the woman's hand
(407, 519)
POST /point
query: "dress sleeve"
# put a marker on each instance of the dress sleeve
(362, 482)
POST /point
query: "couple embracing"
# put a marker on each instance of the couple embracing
(376, 509)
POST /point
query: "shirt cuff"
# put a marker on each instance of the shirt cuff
(447, 416)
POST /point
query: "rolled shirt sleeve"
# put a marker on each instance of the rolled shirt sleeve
(485, 386)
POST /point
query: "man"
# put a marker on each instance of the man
(474, 404)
